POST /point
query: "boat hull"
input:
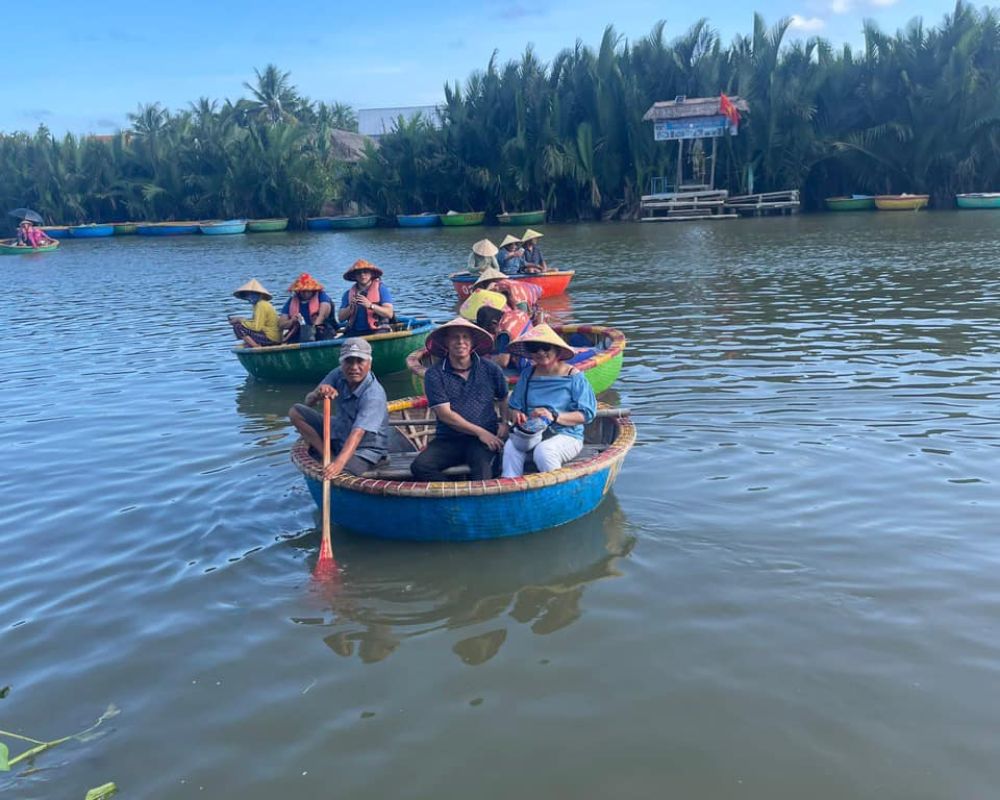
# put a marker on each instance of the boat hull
(522, 218)
(601, 369)
(167, 229)
(990, 200)
(418, 220)
(318, 224)
(56, 231)
(897, 202)
(552, 283)
(125, 228)
(91, 231)
(850, 203)
(227, 228)
(311, 361)
(463, 220)
(8, 248)
(267, 225)
(353, 223)
(464, 511)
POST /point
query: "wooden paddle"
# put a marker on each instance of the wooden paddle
(326, 548)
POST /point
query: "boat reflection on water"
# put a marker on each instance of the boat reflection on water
(391, 591)
(264, 408)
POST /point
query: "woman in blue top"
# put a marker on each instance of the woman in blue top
(552, 395)
(367, 306)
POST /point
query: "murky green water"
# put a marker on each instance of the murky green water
(792, 591)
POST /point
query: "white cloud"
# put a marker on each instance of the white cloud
(884, 3)
(840, 6)
(801, 23)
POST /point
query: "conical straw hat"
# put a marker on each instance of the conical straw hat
(482, 342)
(361, 264)
(531, 234)
(540, 333)
(252, 285)
(509, 239)
(485, 248)
(489, 274)
(483, 298)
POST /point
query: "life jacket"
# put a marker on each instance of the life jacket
(374, 294)
(294, 306)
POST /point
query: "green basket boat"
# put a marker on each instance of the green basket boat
(351, 223)
(267, 225)
(9, 247)
(978, 200)
(600, 360)
(522, 218)
(311, 361)
(858, 202)
(125, 228)
(453, 219)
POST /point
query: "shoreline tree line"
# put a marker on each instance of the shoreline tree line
(917, 111)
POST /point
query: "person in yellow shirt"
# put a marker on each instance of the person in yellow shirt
(262, 329)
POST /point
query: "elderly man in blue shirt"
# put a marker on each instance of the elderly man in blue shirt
(463, 391)
(359, 431)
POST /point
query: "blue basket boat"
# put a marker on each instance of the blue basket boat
(167, 228)
(226, 228)
(56, 231)
(91, 231)
(319, 223)
(388, 504)
(425, 220)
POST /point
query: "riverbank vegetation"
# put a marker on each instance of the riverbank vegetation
(918, 111)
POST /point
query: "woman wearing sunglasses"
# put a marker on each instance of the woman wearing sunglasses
(549, 406)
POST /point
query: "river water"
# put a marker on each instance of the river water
(794, 588)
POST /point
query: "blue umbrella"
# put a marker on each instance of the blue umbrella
(25, 213)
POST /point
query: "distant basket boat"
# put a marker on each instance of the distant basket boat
(9, 247)
(311, 361)
(318, 224)
(857, 202)
(223, 228)
(901, 202)
(125, 228)
(91, 231)
(522, 218)
(267, 225)
(454, 219)
(387, 503)
(553, 282)
(978, 200)
(56, 231)
(347, 222)
(167, 228)
(600, 352)
(425, 220)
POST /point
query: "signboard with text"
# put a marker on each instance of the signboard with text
(696, 128)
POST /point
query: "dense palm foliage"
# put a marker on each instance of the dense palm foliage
(918, 111)
(914, 112)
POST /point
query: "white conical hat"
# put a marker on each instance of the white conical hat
(485, 248)
(509, 239)
(531, 234)
(252, 285)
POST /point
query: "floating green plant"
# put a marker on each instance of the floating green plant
(38, 746)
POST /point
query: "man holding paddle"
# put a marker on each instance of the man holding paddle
(359, 431)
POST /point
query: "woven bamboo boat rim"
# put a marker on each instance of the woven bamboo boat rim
(462, 275)
(372, 337)
(611, 457)
(616, 346)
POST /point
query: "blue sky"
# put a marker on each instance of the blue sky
(88, 64)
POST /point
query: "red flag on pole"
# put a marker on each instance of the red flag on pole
(728, 109)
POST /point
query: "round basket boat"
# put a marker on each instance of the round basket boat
(388, 504)
(600, 351)
(553, 282)
(311, 361)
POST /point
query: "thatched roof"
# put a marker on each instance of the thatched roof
(684, 107)
(349, 146)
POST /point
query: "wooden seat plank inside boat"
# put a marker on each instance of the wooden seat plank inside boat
(397, 468)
